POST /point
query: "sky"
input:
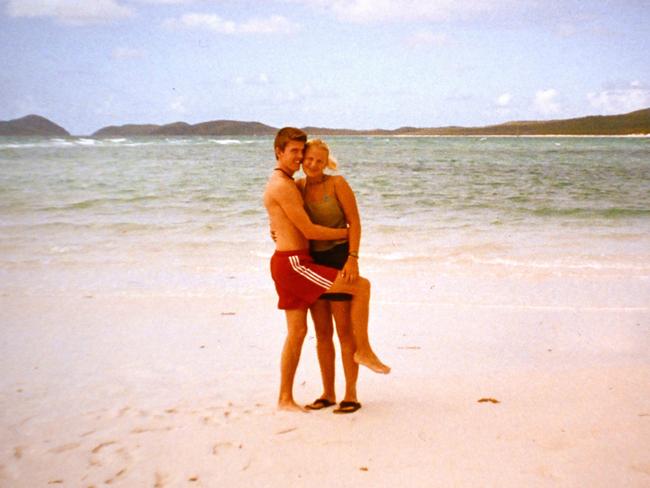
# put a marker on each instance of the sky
(358, 64)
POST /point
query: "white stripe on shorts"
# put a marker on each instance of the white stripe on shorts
(308, 273)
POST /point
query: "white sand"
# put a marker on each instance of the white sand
(180, 391)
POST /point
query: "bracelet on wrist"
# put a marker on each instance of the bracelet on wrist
(354, 254)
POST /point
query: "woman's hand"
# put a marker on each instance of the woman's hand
(350, 271)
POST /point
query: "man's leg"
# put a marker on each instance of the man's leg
(321, 314)
(359, 312)
(341, 312)
(296, 332)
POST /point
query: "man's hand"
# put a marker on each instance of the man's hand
(350, 271)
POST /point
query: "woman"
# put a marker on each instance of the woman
(330, 201)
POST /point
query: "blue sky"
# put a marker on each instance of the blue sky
(358, 64)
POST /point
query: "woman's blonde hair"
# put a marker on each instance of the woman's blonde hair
(320, 144)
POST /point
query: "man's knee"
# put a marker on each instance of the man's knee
(297, 334)
(296, 324)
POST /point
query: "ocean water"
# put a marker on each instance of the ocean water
(184, 215)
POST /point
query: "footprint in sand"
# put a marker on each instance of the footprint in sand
(65, 447)
(111, 459)
(116, 476)
(159, 480)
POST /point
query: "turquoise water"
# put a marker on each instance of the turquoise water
(185, 213)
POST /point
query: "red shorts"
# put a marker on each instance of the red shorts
(298, 280)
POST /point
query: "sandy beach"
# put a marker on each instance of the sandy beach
(140, 341)
(166, 391)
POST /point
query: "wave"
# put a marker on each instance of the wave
(461, 258)
(603, 213)
(226, 142)
(98, 202)
(550, 265)
(86, 142)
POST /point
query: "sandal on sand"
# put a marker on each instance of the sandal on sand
(348, 407)
(320, 403)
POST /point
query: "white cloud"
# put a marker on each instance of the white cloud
(178, 105)
(202, 21)
(122, 53)
(367, 11)
(259, 80)
(633, 97)
(545, 102)
(76, 12)
(276, 24)
(427, 38)
(504, 100)
(272, 25)
(298, 95)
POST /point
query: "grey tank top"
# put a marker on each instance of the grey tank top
(326, 212)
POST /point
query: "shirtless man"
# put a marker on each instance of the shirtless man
(298, 280)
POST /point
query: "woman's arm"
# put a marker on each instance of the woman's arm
(348, 202)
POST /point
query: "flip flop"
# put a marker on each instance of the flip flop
(320, 403)
(347, 407)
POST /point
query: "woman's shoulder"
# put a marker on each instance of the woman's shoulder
(339, 182)
(337, 179)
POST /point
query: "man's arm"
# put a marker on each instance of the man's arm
(291, 203)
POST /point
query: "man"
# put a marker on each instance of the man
(298, 280)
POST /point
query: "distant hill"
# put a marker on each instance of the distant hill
(637, 122)
(632, 123)
(31, 125)
(213, 128)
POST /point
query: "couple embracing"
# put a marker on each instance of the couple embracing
(317, 230)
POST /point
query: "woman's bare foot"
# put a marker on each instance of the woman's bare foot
(291, 406)
(370, 360)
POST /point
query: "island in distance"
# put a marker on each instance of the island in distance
(633, 123)
(32, 125)
(214, 128)
(637, 122)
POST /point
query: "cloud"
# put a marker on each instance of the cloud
(123, 53)
(272, 25)
(202, 21)
(633, 97)
(75, 12)
(259, 80)
(178, 105)
(427, 38)
(545, 102)
(504, 100)
(276, 24)
(369, 11)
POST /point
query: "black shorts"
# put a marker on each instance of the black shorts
(334, 258)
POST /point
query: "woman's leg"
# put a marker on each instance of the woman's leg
(359, 312)
(341, 312)
(321, 314)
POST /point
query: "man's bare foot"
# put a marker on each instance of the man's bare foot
(371, 361)
(291, 406)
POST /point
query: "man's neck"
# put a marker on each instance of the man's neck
(284, 172)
